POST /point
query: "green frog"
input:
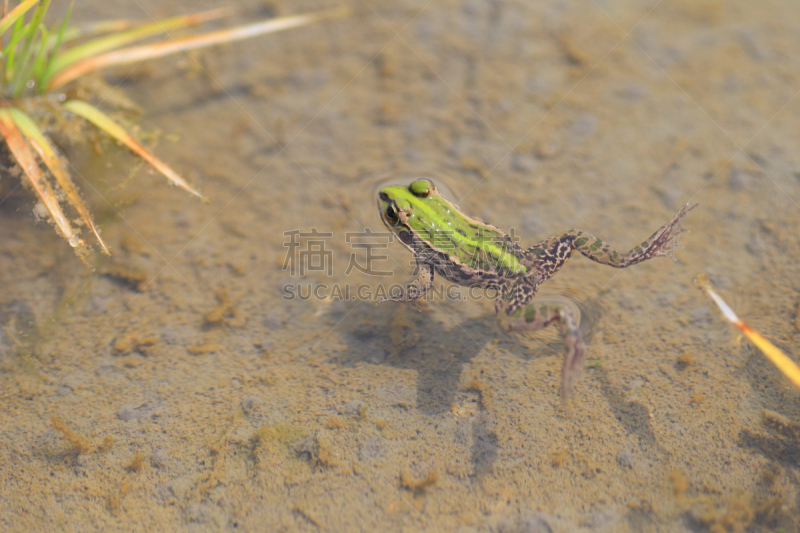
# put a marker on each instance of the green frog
(469, 252)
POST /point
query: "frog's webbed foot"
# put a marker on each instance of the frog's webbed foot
(533, 317)
(664, 242)
(417, 288)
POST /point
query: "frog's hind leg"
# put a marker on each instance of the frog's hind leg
(533, 317)
(549, 255)
(661, 243)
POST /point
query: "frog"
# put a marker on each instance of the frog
(470, 252)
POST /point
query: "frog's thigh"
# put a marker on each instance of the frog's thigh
(535, 316)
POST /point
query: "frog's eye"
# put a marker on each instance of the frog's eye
(421, 188)
(391, 215)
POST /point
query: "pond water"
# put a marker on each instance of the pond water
(233, 401)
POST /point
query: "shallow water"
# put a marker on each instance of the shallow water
(252, 412)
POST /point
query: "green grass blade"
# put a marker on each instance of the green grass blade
(119, 39)
(33, 26)
(135, 54)
(11, 50)
(70, 34)
(13, 15)
(37, 18)
(101, 27)
(39, 76)
(41, 55)
(105, 123)
(26, 64)
(95, 29)
(20, 77)
(98, 28)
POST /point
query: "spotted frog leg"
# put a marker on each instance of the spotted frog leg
(517, 312)
(550, 255)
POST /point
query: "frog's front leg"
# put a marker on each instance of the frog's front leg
(519, 313)
(417, 288)
(549, 255)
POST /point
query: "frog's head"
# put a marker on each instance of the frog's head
(404, 208)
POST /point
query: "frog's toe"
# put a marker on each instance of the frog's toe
(665, 240)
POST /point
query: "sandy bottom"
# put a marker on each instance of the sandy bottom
(176, 389)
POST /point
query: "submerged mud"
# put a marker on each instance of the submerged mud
(178, 387)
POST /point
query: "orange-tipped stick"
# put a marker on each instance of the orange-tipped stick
(778, 358)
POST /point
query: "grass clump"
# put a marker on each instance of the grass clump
(37, 61)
